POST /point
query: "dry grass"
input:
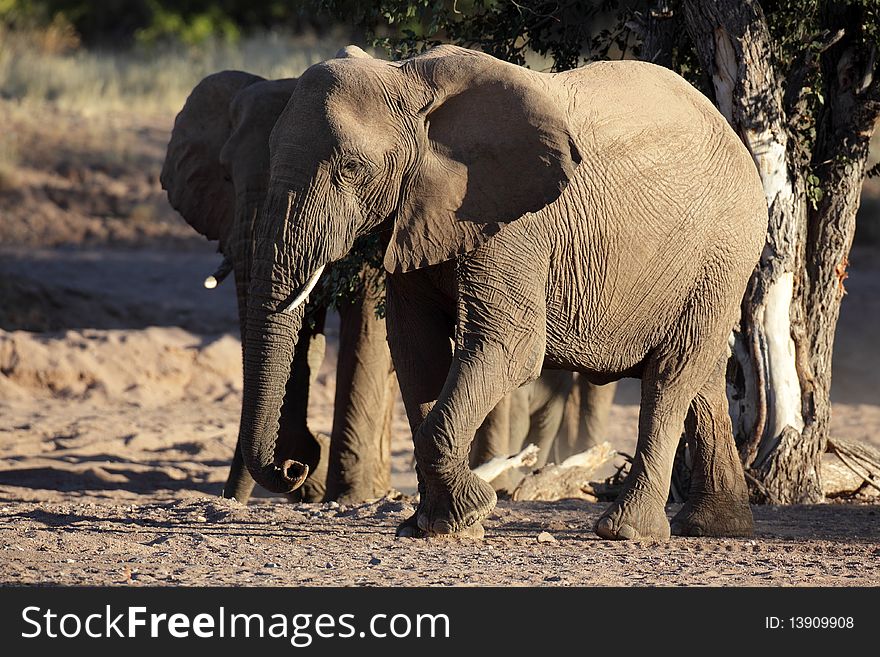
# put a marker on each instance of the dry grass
(32, 72)
(83, 132)
(9, 161)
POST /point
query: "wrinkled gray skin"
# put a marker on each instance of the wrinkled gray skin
(216, 174)
(603, 220)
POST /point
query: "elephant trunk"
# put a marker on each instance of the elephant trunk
(248, 206)
(272, 325)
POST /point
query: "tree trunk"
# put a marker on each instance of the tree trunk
(839, 161)
(772, 386)
(780, 376)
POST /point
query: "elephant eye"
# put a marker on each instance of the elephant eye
(351, 165)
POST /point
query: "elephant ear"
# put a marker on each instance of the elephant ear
(198, 185)
(495, 145)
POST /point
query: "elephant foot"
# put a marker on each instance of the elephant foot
(714, 515)
(633, 517)
(241, 495)
(454, 509)
(310, 491)
(474, 532)
(354, 496)
(409, 528)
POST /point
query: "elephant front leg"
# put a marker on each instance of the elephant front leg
(455, 500)
(500, 343)
(420, 319)
(239, 484)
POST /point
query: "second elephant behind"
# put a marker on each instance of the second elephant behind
(216, 174)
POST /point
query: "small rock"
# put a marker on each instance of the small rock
(328, 565)
(271, 564)
(375, 561)
(553, 578)
(201, 519)
(546, 537)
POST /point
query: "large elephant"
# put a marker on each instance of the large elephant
(604, 220)
(216, 175)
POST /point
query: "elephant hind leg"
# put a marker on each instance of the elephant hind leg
(670, 381)
(718, 503)
(547, 412)
(639, 511)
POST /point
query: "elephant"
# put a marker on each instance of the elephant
(604, 220)
(216, 175)
(561, 414)
(218, 159)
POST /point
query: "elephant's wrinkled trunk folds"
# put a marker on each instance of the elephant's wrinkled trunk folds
(278, 273)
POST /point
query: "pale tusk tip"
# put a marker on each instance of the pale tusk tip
(210, 282)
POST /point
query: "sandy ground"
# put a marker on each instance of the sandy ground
(119, 399)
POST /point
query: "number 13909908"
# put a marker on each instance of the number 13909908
(809, 623)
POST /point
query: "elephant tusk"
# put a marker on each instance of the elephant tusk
(306, 291)
(222, 272)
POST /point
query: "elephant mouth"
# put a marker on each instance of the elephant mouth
(305, 291)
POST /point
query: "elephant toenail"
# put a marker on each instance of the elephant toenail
(627, 532)
(423, 522)
(605, 528)
(442, 527)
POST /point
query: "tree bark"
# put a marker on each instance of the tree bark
(845, 127)
(780, 377)
(656, 29)
(771, 379)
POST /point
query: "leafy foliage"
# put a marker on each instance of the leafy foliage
(360, 272)
(120, 22)
(561, 31)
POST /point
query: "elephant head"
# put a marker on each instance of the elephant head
(216, 168)
(441, 149)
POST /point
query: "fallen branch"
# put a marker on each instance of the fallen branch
(863, 460)
(569, 479)
(608, 490)
(493, 468)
